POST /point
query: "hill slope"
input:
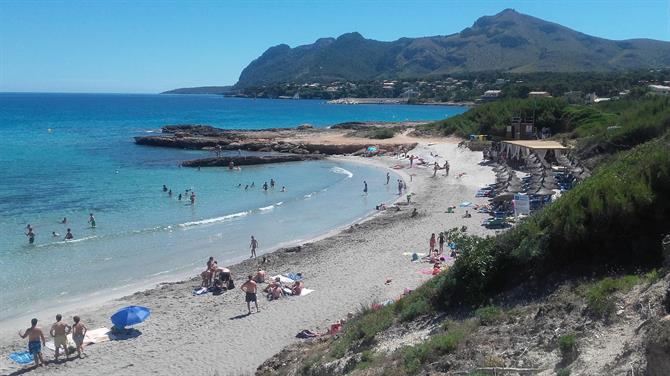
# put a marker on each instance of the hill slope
(507, 41)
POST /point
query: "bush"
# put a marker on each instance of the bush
(599, 295)
(567, 344)
(436, 346)
(489, 315)
(362, 330)
(562, 372)
(382, 133)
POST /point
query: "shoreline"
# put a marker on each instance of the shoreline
(317, 259)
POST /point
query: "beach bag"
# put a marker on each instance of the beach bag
(231, 284)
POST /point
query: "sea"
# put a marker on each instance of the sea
(72, 155)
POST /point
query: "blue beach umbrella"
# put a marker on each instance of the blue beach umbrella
(130, 315)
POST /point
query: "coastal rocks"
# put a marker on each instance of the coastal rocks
(249, 160)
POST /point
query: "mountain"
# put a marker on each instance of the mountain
(200, 90)
(508, 41)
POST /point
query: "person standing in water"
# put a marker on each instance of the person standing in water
(35, 341)
(68, 235)
(64, 221)
(192, 198)
(272, 183)
(91, 220)
(388, 177)
(170, 193)
(253, 245)
(399, 187)
(179, 197)
(165, 188)
(265, 186)
(31, 235)
(365, 187)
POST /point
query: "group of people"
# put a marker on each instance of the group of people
(436, 251)
(188, 192)
(59, 331)
(265, 186)
(30, 231)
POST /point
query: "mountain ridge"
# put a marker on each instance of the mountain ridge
(508, 41)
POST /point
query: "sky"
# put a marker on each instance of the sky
(151, 46)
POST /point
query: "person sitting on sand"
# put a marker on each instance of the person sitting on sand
(276, 292)
(297, 287)
(414, 213)
(467, 214)
(436, 268)
(78, 333)
(34, 334)
(260, 275)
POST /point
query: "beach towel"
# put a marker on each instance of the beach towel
(306, 292)
(306, 334)
(201, 291)
(282, 279)
(428, 271)
(465, 204)
(294, 276)
(21, 357)
(96, 336)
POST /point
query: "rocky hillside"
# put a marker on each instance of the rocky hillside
(508, 41)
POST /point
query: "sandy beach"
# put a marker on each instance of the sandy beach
(212, 335)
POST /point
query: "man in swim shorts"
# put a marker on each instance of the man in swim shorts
(249, 287)
(59, 330)
(253, 245)
(35, 341)
(78, 333)
(91, 220)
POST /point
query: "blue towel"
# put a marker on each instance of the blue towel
(294, 276)
(22, 357)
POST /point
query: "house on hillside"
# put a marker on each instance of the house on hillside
(491, 95)
(539, 94)
(659, 89)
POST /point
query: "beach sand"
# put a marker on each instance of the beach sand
(212, 335)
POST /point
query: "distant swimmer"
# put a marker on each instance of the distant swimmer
(165, 188)
(170, 193)
(388, 177)
(246, 187)
(64, 221)
(31, 235)
(265, 186)
(253, 184)
(192, 198)
(179, 197)
(55, 234)
(91, 220)
(68, 235)
(253, 245)
(239, 185)
(283, 189)
(272, 183)
(365, 187)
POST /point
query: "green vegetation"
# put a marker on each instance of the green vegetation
(382, 133)
(489, 315)
(438, 345)
(562, 372)
(567, 344)
(600, 294)
(362, 331)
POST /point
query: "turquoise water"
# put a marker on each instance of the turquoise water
(68, 155)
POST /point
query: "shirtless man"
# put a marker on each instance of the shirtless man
(59, 330)
(249, 287)
(78, 333)
(260, 275)
(31, 235)
(388, 177)
(253, 245)
(68, 235)
(35, 341)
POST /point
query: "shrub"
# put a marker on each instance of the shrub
(599, 295)
(362, 330)
(566, 343)
(489, 314)
(562, 372)
(382, 133)
(433, 348)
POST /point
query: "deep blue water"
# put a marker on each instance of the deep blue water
(68, 155)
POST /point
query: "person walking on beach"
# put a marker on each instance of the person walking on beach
(35, 341)
(253, 245)
(249, 287)
(440, 240)
(436, 167)
(59, 330)
(399, 187)
(365, 187)
(446, 168)
(411, 161)
(431, 243)
(78, 333)
(388, 177)
(91, 220)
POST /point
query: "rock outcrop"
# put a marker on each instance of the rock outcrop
(249, 160)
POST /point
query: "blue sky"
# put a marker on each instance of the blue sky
(151, 46)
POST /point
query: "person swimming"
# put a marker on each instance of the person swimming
(283, 188)
(253, 184)
(55, 234)
(170, 193)
(68, 235)
(246, 187)
(165, 188)
(179, 197)
(64, 221)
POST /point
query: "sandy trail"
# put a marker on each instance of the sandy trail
(205, 335)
